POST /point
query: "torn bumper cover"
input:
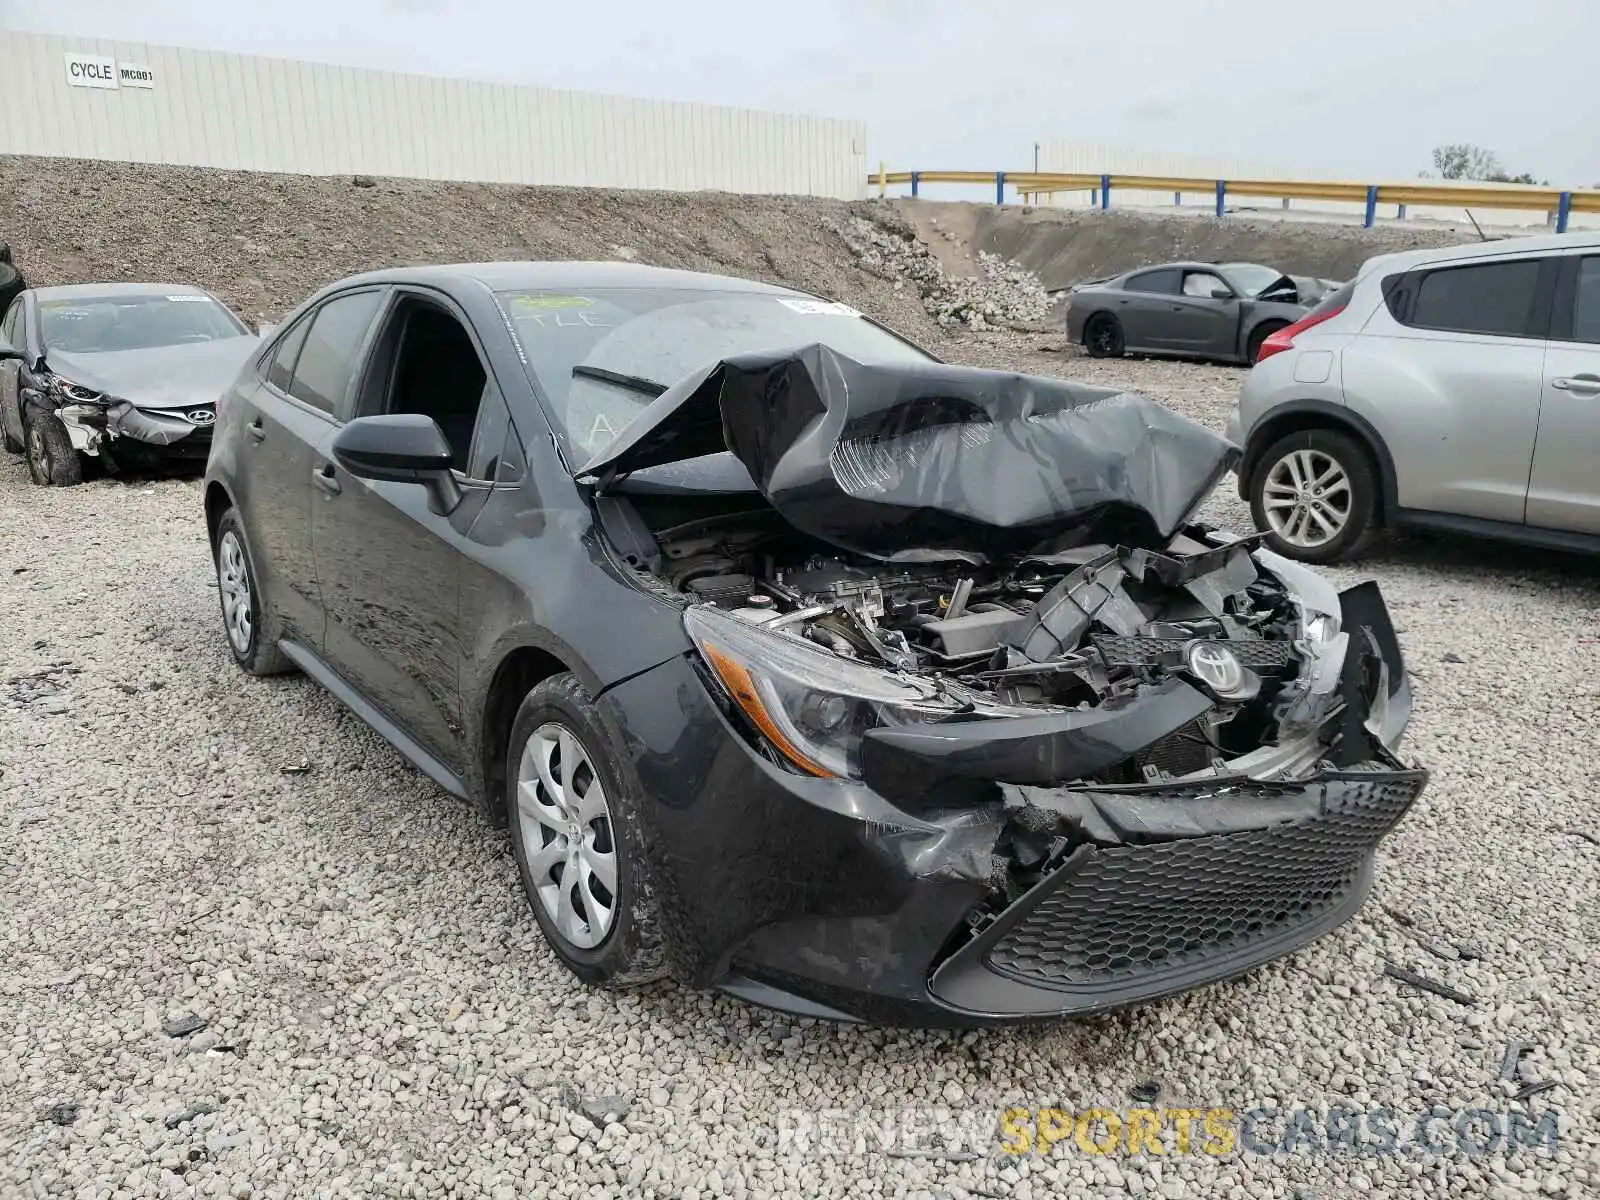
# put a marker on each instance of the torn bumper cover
(122, 431)
(1162, 888)
(933, 892)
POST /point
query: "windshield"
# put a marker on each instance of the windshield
(629, 344)
(1251, 278)
(97, 324)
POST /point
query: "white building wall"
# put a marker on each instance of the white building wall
(268, 114)
(1097, 159)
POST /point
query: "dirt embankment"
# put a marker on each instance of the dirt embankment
(264, 242)
(1065, 246)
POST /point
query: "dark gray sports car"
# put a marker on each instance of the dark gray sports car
(1193, 309)
(127, 373)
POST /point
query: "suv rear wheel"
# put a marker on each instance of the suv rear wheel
(1315, 495)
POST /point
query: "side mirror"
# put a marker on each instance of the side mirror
(264, 331)
(1221, 294)
(400, 448)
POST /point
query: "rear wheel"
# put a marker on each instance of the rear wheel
(1315, 495)
(52, 462)
(573, 802)
(1102, 336)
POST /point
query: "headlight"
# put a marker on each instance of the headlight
(811, 706)
(1320, 627)
(79, 394)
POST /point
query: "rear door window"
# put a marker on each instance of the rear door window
(1586, 302)
(1160, 283)
(328, 361)
(1491, 298)
(281, 373)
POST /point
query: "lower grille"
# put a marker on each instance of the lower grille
(1122, 923)
(1181, 752)
(1131, 910)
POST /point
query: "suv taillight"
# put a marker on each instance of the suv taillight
(1283, 339)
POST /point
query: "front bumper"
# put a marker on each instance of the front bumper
(1196, 883)
(130, 436)
(830, 899)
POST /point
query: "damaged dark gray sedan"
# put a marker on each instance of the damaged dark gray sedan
(127, 374)
(802, 665)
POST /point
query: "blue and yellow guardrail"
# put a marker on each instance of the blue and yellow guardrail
(1442, 194)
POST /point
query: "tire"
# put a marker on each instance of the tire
(1348, 501)
(1102, 336)
(52, 461)
(613, 947)
(1258, 335)
(254, 642)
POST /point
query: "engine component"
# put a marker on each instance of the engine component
(974, 633)
(722, 590)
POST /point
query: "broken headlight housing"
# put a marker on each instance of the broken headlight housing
(809, 705)
(75, 393)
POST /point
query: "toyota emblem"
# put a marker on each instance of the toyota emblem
(1216, 667)
(201, 416)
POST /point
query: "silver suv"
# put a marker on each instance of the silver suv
(1456, 389)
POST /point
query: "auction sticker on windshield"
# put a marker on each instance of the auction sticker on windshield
(820, 308)
(552, 301)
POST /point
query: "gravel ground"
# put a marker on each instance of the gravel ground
(377, 1015)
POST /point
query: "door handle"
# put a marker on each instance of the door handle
(256, 430)
(325, 479)
(1582, 384)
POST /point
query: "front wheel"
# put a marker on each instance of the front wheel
(1102, 336)
(1315, 495)
(52, 461)
(1253, 350)
(573, 803)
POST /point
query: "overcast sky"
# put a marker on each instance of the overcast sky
(1360, 88)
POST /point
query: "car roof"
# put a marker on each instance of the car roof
(1175, 266)
(1536, 244)
(86, 291)
(534, 276)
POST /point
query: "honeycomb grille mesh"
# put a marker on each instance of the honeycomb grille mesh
(1129, 914)
(1255, 654)
(1184, 750)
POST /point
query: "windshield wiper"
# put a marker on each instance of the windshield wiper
(634, 383)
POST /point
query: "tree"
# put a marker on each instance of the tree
(1463, 160)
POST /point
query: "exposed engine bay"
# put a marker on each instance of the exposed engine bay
(1238, 671)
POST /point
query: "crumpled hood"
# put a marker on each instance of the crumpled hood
(925, 461)
(1312, 289)
(166, 377)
